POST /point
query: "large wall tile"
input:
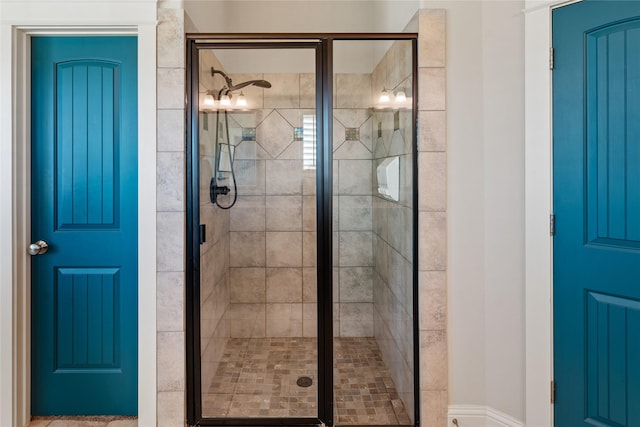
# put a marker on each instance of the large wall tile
(170, 301)
(284, 177)
(356, 319)
(432, 50)
(247, 249)
(355, 177)
(170, 181)
(432, 181)
(284, 320)
(433, 241)
(309, 249)
(353, 91)
(432, 130)
(248, 214)
(170, 241)
(280, 94)
(247, 285)
(274, 134)
(170, 88)
(250, 176)
(356, 284)
(307, 91)
(171, 409)
(284, 249)
(284, 213)
(433, 300)
(309, 320)
(433, 360)
(170, 38)
(432, 89)
(356, 248)
(171, 366)
(284, 285)
(309, 284)
(171, 130)
(433, 407)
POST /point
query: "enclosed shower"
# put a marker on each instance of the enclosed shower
(301, 231)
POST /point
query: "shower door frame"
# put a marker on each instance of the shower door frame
(323, 45)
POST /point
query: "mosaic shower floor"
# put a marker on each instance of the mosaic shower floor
(257, 378)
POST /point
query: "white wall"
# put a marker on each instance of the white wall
(485, 104)
(485, 125)
(313, 16)
(503, 68)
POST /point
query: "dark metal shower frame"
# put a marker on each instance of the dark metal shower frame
(323, 46)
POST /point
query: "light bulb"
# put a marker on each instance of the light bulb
(401, 96)
(384, 97)
(241, 101)
(225, 101)
(208, 100)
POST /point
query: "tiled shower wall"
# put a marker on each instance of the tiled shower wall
(432, 220)
(272, 227)
(393, 226)
(171, 214)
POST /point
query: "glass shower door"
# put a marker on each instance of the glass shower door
(258, 293)
(373, 232)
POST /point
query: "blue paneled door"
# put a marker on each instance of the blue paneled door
(84, 199)
(596, 149)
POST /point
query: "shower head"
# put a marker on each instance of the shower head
(230, 87)
(258, 83)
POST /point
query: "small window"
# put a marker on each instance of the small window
(309, 141)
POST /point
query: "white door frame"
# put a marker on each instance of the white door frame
(19, 21)
(538, 207)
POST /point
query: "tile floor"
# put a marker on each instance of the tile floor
(83, 422)
(256, 377)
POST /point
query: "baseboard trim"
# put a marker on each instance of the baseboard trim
(480, 416)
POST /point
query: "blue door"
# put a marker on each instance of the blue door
(596, 149)
(84, 352)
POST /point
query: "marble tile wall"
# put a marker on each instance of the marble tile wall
(393, 227)
(352, 206)
(272, 258)
(170, 215)
(272, 227)
(432, 206)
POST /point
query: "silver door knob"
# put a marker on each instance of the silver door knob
(38, 248)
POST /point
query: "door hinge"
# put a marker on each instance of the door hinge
(203, 233)
(553, 392)
(552, 224)
(551, 57)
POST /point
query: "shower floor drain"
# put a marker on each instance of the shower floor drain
(304, 382)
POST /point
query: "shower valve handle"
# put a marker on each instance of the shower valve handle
(216, 190)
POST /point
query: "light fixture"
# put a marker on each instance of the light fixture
(400, 96)
(241, 101)
(384, 96)
(208, 100)
(225, 101)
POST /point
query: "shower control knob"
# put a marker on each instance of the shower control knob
(38, 248)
